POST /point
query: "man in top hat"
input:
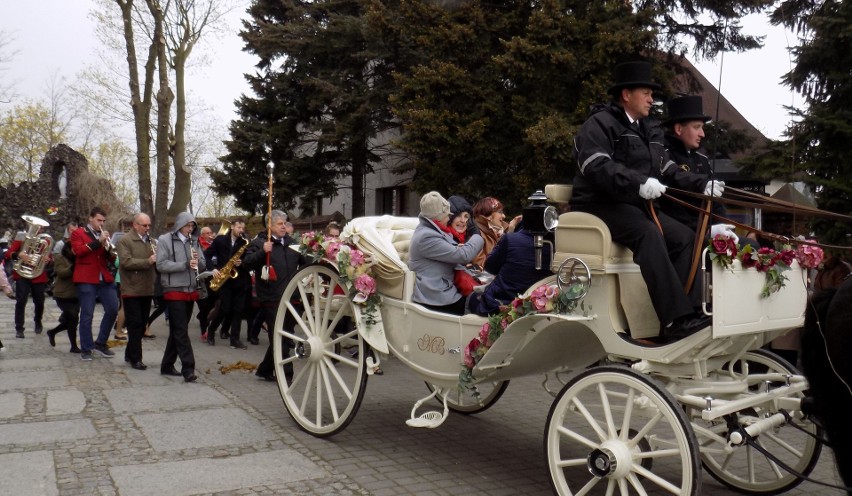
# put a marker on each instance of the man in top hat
(623, 169)
(684, 133)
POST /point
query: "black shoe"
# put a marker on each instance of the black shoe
(173, 372)
(268, 376)
(139, 365)
(19, 334)
(254, 341)
(74, 349)
(38, 329)
(51, 337)
(238, 345)
(224, 334)
(211, 339)
(687, 326)
(190, 378)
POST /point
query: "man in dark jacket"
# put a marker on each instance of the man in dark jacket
(623, 168)
(285, 263)
(684, 133)
(233, 293)
(25, 287)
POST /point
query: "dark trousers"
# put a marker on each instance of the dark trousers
(136, 310)
(257, 323)
(267, 366)
(159, 309)
(68, 319)
(204, 307)
(178, 344)
(23, 288)
(663, 258)
(232, 298)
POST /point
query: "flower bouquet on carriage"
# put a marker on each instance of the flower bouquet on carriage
(353, 267)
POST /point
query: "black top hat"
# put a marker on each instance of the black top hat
(632, 75)
(685, 108)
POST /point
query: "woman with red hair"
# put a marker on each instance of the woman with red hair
(491, 221)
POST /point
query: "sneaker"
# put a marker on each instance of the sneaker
(74, 349)
(104, 351)
(238, 345)
(86, 356)
(19, 334)
(121, 335)
(38, 329)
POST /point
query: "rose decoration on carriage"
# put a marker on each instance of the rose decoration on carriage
(724, 250)
(546, 298)
(352, 265)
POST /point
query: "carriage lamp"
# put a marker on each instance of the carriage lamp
(539, 219)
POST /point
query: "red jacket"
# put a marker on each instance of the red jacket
(15, 248)
(92, 259)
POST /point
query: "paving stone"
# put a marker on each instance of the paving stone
(163, 398)
(33, 379)
(65, 402)
(214, 475)
(12, 404)
(46, 432)
(28, 474)
(201, 428)
(18, 364)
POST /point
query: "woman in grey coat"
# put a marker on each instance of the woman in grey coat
(434, 255)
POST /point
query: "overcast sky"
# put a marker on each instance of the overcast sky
(55, 37)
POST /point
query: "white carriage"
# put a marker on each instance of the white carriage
(713, 399)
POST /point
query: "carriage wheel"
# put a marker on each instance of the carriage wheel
(605, 428)
(319, 362)
(466, 403)
(747, 470)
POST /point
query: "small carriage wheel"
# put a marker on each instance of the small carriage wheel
(320, 365)
(745, 469)
(603, 426)
(466, 403)
(574, 277)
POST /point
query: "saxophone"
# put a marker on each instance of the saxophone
(228, 271)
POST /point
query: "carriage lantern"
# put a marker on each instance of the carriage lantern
(539, 219)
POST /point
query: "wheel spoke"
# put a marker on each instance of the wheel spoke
(628, 414)
(610, 487)
(610, 424)
(771, 463)
(646, 429)
(577, 437)
(574, 462)
(780, 442)
(299, 322)
(588, 487)
(637, 484)
(588, 416)
(656, 479)
(332, 404)
(663, 453)
(329, 366)
(303, 407)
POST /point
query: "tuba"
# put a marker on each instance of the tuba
(36, 246)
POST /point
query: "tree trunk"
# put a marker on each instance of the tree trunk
(359, 167)
(183, 176)
(164, 105)
(141, 104)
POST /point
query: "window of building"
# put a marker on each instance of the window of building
(390, 201)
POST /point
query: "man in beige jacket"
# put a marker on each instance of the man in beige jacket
(136, 265)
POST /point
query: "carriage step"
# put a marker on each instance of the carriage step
(430, 419)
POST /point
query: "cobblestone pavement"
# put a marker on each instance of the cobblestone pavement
(69, 427)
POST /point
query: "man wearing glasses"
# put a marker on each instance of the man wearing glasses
(136, 264)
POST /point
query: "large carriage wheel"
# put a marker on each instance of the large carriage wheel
(747, 470)
(466, 403)
(607, 427)
(319, 361)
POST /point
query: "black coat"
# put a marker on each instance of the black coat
(691, 161)
(513, 263)
(614, 159)
(220, 251)
(283, 259)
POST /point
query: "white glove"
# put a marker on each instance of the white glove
(714, 188)
(652, 189)
(724, 230)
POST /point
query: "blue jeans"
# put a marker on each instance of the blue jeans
(88, 295)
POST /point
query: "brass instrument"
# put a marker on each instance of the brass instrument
(228, 271)
(37, 248)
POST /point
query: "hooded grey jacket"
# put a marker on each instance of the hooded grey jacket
(173, 257)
